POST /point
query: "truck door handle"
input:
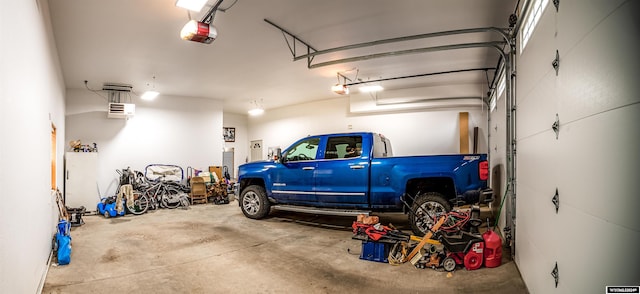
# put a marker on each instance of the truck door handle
(308, 168)
(356, 166)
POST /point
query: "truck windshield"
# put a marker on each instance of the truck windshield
(304, 150)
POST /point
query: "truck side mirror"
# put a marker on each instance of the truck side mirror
(278, 155)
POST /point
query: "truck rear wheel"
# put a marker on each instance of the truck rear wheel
(254, 202)
(425, 208)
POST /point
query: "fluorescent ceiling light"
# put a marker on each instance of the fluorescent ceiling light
(371, 88)
(256, 111)
(149, 95)
(193, 5)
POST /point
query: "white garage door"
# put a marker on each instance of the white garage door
(593, 163)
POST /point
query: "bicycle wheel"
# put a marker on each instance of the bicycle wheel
(138, 206)
(170, 197)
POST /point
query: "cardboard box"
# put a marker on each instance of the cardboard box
(217, 170)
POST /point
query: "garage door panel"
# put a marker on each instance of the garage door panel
(599, 166)
(536, 216)
(576, 18)
(498, 127)
(608, 251)
(602, 71)
(537, 111)
(537, 157)
(535, 61)
(576, 241)
(594, 162)
(536, 266)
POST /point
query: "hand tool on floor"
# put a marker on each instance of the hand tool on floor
(425, 239)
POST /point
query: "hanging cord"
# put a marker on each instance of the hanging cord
(495, 224)
(455, 221)
(86, 85)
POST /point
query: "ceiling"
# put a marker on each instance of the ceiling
(131, 41)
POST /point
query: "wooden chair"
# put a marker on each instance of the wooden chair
(198, 190)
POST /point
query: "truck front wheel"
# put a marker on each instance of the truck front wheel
(425, 208)
(254, 202)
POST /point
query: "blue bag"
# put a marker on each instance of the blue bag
(64, 242)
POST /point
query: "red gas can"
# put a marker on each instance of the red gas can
(492, 249)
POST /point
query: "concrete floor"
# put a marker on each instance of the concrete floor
(215, 249)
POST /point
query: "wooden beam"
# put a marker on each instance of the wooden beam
(464, 132)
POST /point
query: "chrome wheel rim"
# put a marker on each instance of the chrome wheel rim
(251, 203)
(427, 213)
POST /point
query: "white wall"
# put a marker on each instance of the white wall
(241, 145)
(414, 132)
(32, 98)
(182, 131)
(593, 163)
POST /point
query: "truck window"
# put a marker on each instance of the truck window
(381, 147)
(305, 150)
(343, 147)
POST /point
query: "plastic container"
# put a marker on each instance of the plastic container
(492, 249)
(374, 251)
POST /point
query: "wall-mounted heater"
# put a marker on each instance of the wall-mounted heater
(121, 110)
(118, 108)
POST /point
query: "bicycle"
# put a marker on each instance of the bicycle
(130, 181)
(166, 194)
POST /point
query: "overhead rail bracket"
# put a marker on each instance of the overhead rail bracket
(495, 45)
(421, 75)
(311, 52)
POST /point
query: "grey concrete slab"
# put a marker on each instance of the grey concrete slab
(215, 249)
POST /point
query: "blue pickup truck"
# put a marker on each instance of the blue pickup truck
(352, 173)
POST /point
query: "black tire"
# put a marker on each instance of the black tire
(254, 202)
(171, 197)
(425, 208)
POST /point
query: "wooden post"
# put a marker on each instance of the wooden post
(464, 132)
(475, 140)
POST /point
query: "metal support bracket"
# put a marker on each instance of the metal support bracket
(555, 274)
(507, 235)
(556, 3)
(556, 200)
(556, 62)
(292, 44)
(513, 19)
(556, 126)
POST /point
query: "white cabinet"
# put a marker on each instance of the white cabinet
(80, 180)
